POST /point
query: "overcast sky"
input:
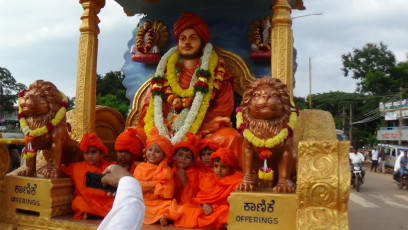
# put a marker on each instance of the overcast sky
(39, 39)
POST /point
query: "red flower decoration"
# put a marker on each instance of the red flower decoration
(49, 126)
(241, 128)
(264, 153)
(64, 104)
(200, 83)
(20, 115)
(21, 94)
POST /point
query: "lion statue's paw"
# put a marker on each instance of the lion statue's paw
(51, 171)
(285, 186)
(26, 171)
(248, 183)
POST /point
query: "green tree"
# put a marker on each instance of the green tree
(71, 103)
(113, 102)
(111, 92)
(9, 89)
(372, 66)
(300, 102)
(339, 105)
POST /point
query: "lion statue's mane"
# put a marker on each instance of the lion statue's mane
(53, 97)
(273, 126)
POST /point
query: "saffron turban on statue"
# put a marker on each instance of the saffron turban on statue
(133, 140)
(226, 156)
(190, 20)
(205, 142)
(91, 140)
(164, 143)
(190, 143)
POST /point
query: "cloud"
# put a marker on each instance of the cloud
(40, 39)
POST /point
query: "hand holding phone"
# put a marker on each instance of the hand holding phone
(93, 180)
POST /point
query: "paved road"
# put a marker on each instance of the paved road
(379, 205)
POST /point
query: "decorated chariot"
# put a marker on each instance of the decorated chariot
(248, 40)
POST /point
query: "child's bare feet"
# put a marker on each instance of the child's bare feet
(85, 216)
(163, 221)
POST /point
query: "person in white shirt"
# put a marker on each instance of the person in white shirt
(397, 166)
(128, 209)
(357, 158)
(374, 160)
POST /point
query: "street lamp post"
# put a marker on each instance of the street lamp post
(310, 62)
(310, 83)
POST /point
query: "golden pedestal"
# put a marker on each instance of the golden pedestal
(38, 197)
(260, 210)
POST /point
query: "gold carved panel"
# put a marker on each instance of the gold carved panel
(323, 185)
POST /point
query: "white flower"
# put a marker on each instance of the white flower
(195, 107)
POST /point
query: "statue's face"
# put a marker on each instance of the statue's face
(146, 25)
(34, 102)
(265, 103)
(189, 44)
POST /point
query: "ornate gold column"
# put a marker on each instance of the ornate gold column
(86, 74)
(282, 44)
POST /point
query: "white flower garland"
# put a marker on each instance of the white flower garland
(198, 98)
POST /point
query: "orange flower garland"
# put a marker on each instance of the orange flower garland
(258, 42)
(178, 103)
(140, 38)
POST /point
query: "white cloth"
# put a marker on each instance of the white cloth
(356, 158)
(265, 33)
(397, 164)
(128, 209)
(374, 155)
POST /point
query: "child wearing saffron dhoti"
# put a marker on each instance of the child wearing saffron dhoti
(210, 207)
(129, 147)
(184, 165)
(157, 181)
(89, 200)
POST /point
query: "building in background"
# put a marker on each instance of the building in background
(10, 120)
(396, 116)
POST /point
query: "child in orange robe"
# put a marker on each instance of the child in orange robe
(157, 181)
(210, 207)
(129, 147)
(206, 147)
(89, 200)
(185, 170)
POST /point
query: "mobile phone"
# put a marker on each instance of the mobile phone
(93, 180)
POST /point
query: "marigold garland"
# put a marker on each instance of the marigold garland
(258, 42)
(202, 91)
(140, 38)
(265, 146)
(270, 142)
(30, 152)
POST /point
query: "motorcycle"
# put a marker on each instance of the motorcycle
(356, 176)
(403, 179)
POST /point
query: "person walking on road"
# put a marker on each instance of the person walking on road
(381, 160)
(374, 160)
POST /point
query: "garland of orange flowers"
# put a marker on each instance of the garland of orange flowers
(265, 146)
(258, 42)
(178, 103)
(140, 38)
(29, 151)
(204, 88)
